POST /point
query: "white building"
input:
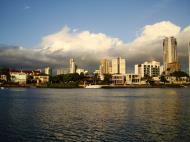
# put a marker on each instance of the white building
(133, 79)
(118, 79)
(118, 66)
(151, 68)
(18, 77)
(72, 66)
(79, 71)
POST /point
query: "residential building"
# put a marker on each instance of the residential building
(41, 78)
(151, 68)
(118, 79)
(170, 55)
(73, 66)
(18, 77)
(62, 71)
(104, 66)
(133, 79)
(118, 66)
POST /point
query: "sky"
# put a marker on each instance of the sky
(55, 30)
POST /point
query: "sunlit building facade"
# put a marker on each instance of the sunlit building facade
(151, 68)
(118, 66)
(48, 71)
(73, 66)
(170, 57)
(104, 66)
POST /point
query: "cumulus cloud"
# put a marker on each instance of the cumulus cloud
(88, 48)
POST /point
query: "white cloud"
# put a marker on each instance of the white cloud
(88, 48)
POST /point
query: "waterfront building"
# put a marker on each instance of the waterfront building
(104, 66)
(48, 71)
(132, 78)
(151, 68)
(41, 78)
(18, 77)
(170, 57)
(73, 66)
(118, 79)
(118, 66)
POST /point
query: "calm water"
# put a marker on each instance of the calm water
(95, 115)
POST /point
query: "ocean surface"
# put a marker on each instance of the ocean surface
(110, 115)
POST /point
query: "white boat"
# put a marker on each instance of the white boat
(93, 86)
(2, 88)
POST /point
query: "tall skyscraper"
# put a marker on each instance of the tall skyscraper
(104, 66)
(170, 57)
(73, 66)
(118, 66)
(48, 71)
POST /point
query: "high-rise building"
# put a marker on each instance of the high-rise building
(118, 66)
(151, 68)
(170, 55)
(48, 71)
(104, 66)
(62, 71)
(73, 66)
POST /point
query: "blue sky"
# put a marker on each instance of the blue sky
(25, 22)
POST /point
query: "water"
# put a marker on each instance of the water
(95, 115)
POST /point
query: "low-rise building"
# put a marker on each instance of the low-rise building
(41, 78)
(178, 80)
(133, 79)
(18, 77)
(118, 79)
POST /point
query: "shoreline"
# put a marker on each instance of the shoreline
(102, 86)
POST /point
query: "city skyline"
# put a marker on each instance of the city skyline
(36, 47)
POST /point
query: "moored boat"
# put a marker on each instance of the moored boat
(93, 86)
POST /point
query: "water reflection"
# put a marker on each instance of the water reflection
(95, 115)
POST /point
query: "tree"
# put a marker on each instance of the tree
(179, 74)
(163, 79)
(107, 78)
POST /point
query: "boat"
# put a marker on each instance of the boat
(2, 88)
(93, 86)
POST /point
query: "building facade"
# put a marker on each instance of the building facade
(18, 77)
(151, 68)
(118, 79)
(170, 55)
(118, 66)
(104, 66)
(73, 66)
(48, 71)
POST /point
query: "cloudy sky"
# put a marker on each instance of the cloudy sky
(39, 33)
